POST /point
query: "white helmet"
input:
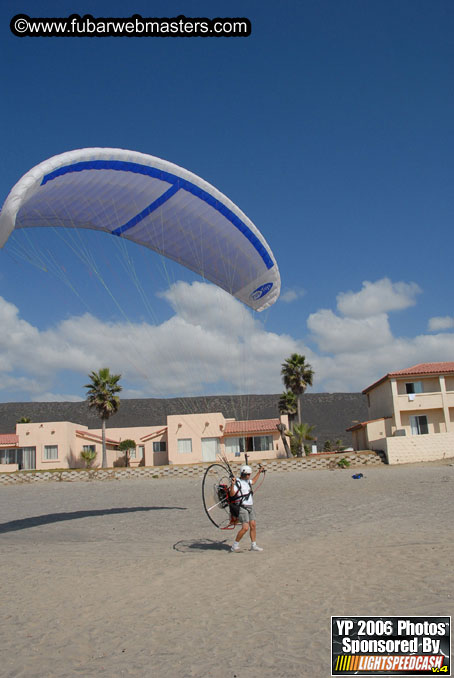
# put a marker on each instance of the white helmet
(244, 470)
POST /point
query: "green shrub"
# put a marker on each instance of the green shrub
(88, 456)
(343, 463)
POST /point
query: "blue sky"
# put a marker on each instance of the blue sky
(331, 127)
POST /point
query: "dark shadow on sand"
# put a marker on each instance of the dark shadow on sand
(48, 518)
(191, 545)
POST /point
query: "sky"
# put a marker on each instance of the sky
(331, 126)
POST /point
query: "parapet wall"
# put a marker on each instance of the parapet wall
(311, 463)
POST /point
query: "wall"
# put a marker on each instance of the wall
(380, 428)
(311, 463)
(195, 427)
(429, 384)
(435, 420)
(365, 437)
(70, 444)
(359, 439)
(9, 468)
(212, 425)
(379, 445)
(449, 382)
(421, 401)
(381, 401)
(60, 433)
(133, 433)
(410, 449)
(278, 451)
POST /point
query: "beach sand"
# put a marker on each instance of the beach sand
(128, 578)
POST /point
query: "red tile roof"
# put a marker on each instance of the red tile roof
(417, 370)
(251, 426)
(361, 424)
(9, 439)
(425, 368)
(149, 436)
(95, 438)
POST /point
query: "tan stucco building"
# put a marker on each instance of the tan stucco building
(410, 414)
(182, 439)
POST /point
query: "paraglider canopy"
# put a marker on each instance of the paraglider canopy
(153, 203)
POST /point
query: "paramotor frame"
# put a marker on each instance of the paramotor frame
(217, 502)
(215, 496)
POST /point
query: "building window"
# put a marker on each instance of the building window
(185, 445)
(243, 444)
(25, 457)
(414, 387)
(234, 446)
(8, 456)
(132, 452)
(89, 448)
(159, 446)
(262, 443)
(141, 451)
(419, 425)
(50, 452)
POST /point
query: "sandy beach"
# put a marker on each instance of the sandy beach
(128, 578)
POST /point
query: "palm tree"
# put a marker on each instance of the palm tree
(301, 432)
(288, 404)
(281, 428)
(297, 375)
(102, 397)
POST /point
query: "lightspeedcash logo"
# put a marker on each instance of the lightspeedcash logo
(390, 646)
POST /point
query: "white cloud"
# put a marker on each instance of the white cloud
(56, 398)
(212, 343)
(377, 297)
(354, 370)
(134, 393)
(211, 339)
(355, 349)
(289, 295)
(438, 323)
(335, 334)
(10, 383)
(199, 304)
